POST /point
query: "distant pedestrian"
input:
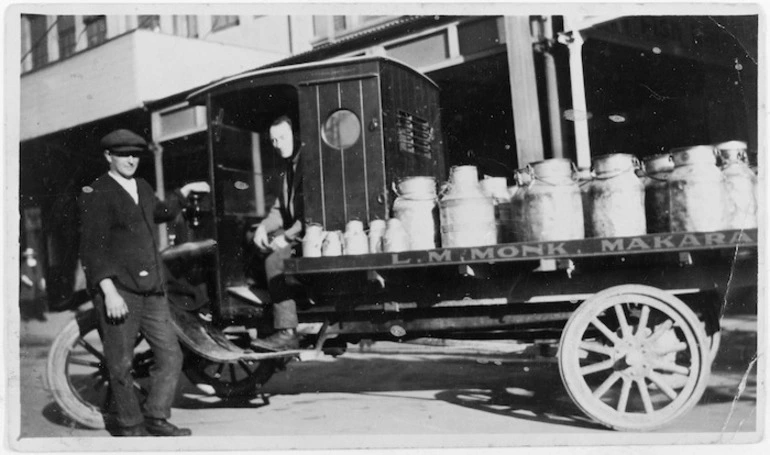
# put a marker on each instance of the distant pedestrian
(32, 303)
(124, 272)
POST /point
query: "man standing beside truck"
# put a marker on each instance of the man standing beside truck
(124, 272)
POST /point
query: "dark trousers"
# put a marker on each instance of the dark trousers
(151, 316)
(283, 292)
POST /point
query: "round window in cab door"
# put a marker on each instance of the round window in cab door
(341, 129)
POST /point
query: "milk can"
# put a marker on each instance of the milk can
(696, 190)
(467, 215)
(657, 169)
(332, 244)
(396, 238)
(552, 203)
(616, 205)
(740, 184)
(356, 241)
(376, 233)
(312, 241)
(519, 227)
(497, 189)
(417, 208)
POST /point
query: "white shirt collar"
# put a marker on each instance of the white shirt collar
(127, 184)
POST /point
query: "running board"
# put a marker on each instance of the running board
(209, 342)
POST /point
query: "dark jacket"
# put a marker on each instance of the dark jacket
(119, 238)
(288, 210)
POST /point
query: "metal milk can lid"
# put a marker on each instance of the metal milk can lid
(731, 145)
(662, 162)
(613, 163)
(313, 229)
(522, 177)
(697, 154)
(377, 225)
(553, 167)
(354, 226)
(732, 151)
(418, 185)
(462, 175)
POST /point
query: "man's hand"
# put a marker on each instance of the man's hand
(279, 242)
(260, 238)
(198, 187)
(114, 304)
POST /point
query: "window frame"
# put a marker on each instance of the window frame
(39, 42)
(95, 29)
(64, 36)
(228, 23)
(153, 22)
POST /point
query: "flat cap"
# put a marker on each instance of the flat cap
(123, 140)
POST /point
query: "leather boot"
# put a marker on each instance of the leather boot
(282, 340)
(132, 431)
(162, 427)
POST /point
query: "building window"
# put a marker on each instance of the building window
(149, 22)
(339, 23)
(329, 26)
(38, 29)
(96, 29)
(186, 26)
(423, 51)
(192, 26)
(223, 22)
(320, 26)
(478, 36)
(66, 29)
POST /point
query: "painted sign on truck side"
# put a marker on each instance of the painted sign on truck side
(571, 249)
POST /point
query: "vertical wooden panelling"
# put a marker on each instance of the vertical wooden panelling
(332, 164)
(373, 147)
(388, 120)
(311, 156)
(398, 160)
(437, 144)
(353, 158)
(355, 183)
(423, 164)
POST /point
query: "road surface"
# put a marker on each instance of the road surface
(430, 397)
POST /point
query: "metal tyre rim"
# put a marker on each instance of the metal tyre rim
(634, 361)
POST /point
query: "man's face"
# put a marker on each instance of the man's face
(123, 165)
(282, 139)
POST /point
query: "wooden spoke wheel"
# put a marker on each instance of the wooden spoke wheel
(242, 378)
(634, 357)
(77, 373)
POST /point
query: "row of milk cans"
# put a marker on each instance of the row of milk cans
(691, 189)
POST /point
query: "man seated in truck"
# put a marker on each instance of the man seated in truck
(278, 234)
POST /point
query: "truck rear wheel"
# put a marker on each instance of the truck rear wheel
(634, 357)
